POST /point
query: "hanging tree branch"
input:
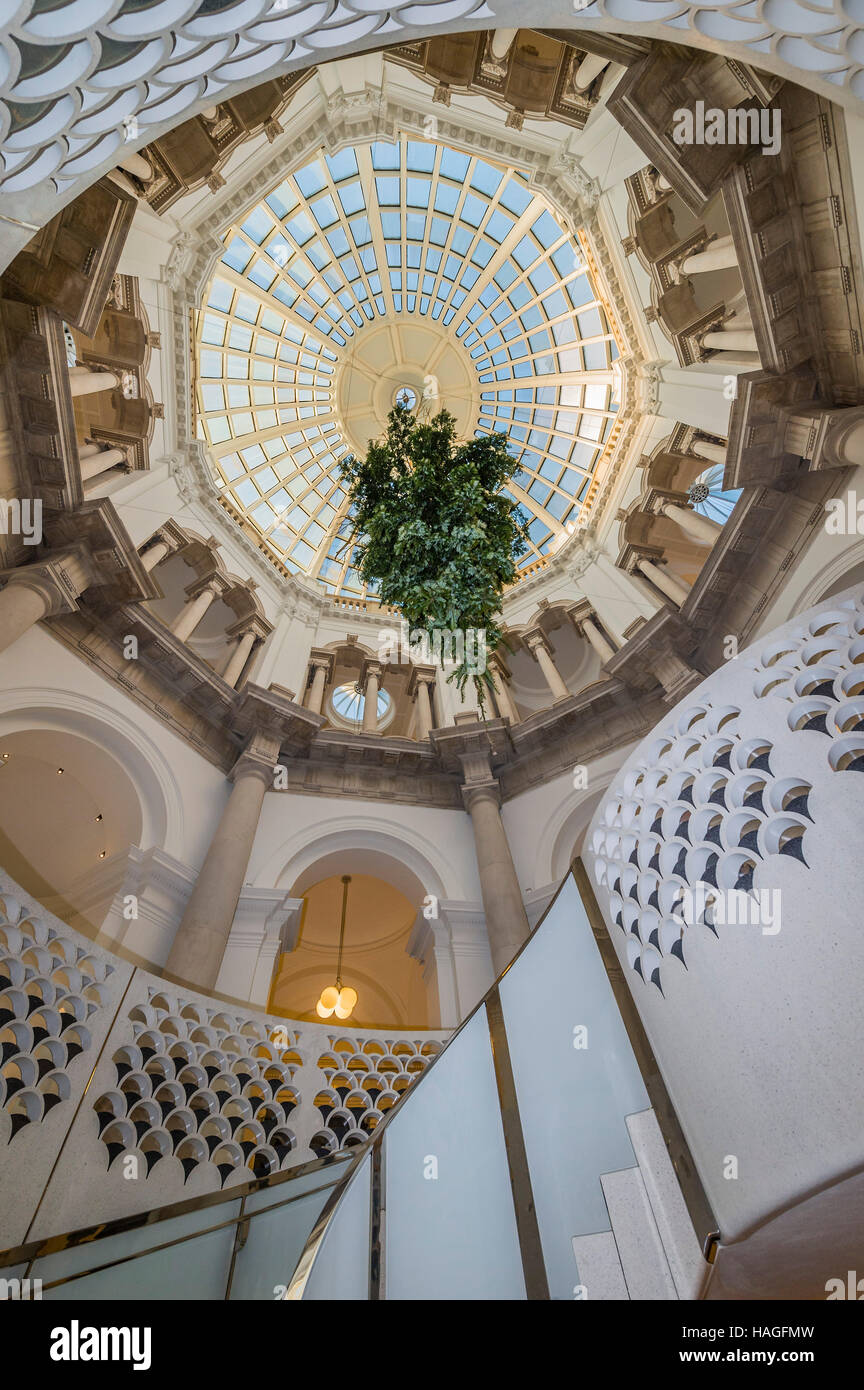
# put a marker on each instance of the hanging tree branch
(435, 531)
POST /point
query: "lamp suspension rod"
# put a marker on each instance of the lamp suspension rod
(346, 879)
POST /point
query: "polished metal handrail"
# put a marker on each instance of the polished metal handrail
(90, 1235)
(373, 1149)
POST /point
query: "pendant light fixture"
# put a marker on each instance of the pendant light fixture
(338, 999)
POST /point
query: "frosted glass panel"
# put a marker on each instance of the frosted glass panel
(572, 1100)
(275, 1243)
(341, 1269)
(197, 1269)
(452, 1235)
(80, 1257)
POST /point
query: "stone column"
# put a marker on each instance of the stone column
(191, 614)
(503, 699)
(707, 449)
(700, 529)
(156, 554)
(369, 682)
(322, 664)
(591, 66)
(502, 40)
(239, 656)
(22, 604)
(100, 461)
(719, 255)
(506, 922)
(37, 591)
(731, 340)
(668, 584)
(199, 945)
(420, 685)
(85, 382)
(136, 164)
(538, 645)
(591, 632)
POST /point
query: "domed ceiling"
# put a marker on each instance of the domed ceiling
(407, 270)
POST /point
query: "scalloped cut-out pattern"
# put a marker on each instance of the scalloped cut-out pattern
(819, 670)
(207, 1086)
(72, 73)
(50, 990)
(365, 1078)
(202, 1085)
(688, 823)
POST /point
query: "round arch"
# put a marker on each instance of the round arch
(396, 854)
(147, 767)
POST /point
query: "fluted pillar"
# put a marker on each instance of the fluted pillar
(719, 255)
(506, 921)
(239, 656)
(538, 645)
(503, 699)
(700, 529)
(85, 382)
(668, 584)
(191, 614)
(198, 948)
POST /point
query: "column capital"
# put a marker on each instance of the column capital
(473, 792)
(254, 623)
(60, 578)
(260, 712)
(535, 638)
(214, 584)
(499, 665)
(420, 675)
(320, 659)
(252, 764)
(580, 612)
(371, 667)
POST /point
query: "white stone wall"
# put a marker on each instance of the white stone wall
(754, 1015)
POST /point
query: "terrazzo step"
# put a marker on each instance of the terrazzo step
(640, 1249)
(688, 1267)
(600, 1272)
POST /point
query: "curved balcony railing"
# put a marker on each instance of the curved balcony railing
(527, 1162)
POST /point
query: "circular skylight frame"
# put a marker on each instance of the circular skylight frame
(345, 698)
(478, 253)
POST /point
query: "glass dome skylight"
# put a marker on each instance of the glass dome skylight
(389, 266)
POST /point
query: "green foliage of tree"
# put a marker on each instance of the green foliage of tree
(434, 531)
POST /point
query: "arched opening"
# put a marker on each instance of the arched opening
(375, 962)
(69, 813)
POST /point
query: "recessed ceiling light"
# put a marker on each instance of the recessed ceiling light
(102, 853)
(99, 817)
(59, 770)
